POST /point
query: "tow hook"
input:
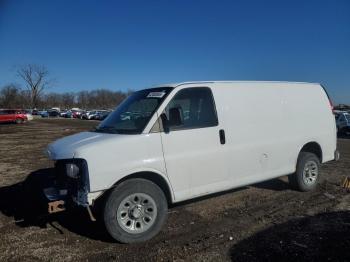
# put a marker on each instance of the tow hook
(56, 206)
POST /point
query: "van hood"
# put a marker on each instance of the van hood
(67, 147)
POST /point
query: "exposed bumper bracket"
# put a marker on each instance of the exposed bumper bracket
(56, 206)
(90, 214)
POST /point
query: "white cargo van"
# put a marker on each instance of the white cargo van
(176, 142)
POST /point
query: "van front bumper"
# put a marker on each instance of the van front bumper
(66, 191)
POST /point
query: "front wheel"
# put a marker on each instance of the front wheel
(307, 174)
(135, 211)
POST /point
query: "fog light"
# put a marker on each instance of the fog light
(72, 170)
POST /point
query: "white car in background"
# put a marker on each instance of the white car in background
(29, 117)
(343, 123)
(91, 114)
(29, 114)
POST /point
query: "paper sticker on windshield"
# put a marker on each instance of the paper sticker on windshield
(156, 94)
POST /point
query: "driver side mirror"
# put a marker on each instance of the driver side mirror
(175, 118)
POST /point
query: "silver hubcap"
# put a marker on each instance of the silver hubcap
(310, 172)
(137, 213)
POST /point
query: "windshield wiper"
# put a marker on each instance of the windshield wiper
(114, 130)
(107, 129)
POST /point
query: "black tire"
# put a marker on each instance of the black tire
(298, 180)
(118, 196)
(19, 120)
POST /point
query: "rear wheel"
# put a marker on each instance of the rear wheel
(135, 211)
(306, 175)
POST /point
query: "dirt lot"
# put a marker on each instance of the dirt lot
(266, 221)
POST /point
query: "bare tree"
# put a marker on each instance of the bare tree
(8, 96)
(36, 80)
(11, 96)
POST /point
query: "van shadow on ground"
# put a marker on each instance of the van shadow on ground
(323, 237)
(26, 203)
(274, 184)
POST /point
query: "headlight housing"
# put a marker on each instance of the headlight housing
(72, 170)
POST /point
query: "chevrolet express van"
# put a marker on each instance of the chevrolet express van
(181, 141)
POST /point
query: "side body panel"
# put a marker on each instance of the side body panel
(120, 157)
(195, 161)
(266, 125)
(255, 121)
(309, 110)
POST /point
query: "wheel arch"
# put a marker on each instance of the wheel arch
(313, 147)
(156, 178)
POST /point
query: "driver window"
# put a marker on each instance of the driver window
(196, 106)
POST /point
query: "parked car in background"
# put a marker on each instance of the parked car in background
(44, 113)
(97, 115)
(63, 113)
(50, 113)
(77, 113)
(68, 114)
(91, 114)
(343, 123)
(87, 114)
(13, 115)
(101, 115)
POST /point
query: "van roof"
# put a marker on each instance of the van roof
(228, 81)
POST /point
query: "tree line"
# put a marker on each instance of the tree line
(12, 96)
(36, 80)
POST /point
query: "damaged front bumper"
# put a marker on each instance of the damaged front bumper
(67, 191)
(56, 199)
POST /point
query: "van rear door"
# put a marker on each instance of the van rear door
(193, 151)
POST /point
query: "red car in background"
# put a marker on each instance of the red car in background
(13, 115)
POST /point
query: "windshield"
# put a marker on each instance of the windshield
(347, 117)
(133, 114)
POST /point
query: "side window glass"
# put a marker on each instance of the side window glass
(196, 109)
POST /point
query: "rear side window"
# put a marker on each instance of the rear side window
(197, 107)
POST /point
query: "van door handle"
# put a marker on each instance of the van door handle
(222, 136)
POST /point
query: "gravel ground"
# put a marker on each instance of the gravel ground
(262, 222)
